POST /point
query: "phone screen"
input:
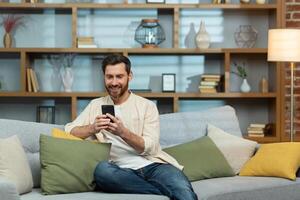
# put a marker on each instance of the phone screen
(108, 109)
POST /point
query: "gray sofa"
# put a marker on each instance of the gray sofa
(175, 128)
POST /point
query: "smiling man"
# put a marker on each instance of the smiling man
(137, 164)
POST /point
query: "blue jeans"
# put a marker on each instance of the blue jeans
(156, 178)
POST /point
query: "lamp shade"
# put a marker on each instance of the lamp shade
(284, 45)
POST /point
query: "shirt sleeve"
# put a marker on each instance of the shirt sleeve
(81, 120)
(151, 131)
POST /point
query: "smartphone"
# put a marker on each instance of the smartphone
(108, 109)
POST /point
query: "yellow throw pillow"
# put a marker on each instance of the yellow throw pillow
(57, 133)
(277, 159)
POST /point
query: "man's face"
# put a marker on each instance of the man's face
(116, 80)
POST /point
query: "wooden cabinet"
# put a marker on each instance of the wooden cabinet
(52, 29)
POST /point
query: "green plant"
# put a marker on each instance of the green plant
(11, 22)
(240, 70)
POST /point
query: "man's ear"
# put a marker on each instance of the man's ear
(130, 76)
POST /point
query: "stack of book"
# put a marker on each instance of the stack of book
(256, 130)
(86, 42)
(32, 81)
(209, 83)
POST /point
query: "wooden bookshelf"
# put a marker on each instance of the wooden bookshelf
(272, 100)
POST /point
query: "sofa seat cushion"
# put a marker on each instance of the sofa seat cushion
(247, 188)
(37, 195)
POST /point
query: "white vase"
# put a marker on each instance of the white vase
(245, 87)
(67, 79)
(260, 1)
(189, 40)
(56, 80)
(202, 38)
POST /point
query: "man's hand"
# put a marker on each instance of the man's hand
(116, 126)
(101, 122)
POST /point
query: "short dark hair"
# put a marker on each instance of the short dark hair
(114, 59)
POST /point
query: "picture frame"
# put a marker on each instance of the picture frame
(46, 114)
(168, 82)
(155, 1)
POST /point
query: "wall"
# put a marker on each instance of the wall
(293, 21)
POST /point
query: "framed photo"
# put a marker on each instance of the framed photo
(155, 1)
(168, 82)
(46, 114)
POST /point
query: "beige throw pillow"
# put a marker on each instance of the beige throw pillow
(14, 164)
(236, 150)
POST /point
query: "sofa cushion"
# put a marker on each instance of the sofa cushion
(14, 165)
(37, 195)
(177, 128)
(278, 159)
(247, 188)
(58, 133)
(201, 159)
(68, 165)
(236, 150)
(28, 133)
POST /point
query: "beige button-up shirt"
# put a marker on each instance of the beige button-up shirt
(140, 116)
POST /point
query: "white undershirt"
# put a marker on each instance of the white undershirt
(121, 153)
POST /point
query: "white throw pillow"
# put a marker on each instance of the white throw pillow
(14, 164)
(236, 150)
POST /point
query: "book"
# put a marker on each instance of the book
(258, 125)
(85, 39)
(29, 88)
(211, 79)
(210, 76)
(207, 86)
(87, 46)
(34, 80)
(213, 83)
(84, 42)
(257, 132)
(208, 90)
(256, 135)
(255, 128)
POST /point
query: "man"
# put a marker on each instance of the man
(137, 163)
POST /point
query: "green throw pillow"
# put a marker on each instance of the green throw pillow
(201, 159)
(68, 165)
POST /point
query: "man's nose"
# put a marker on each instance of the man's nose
(114, 81)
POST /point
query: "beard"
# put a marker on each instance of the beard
(116, 91)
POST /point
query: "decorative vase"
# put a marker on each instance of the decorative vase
(202, 38)
(189, 40)
(245, 87)
(7, 40)
(260, 1)
(245, 1)
(56, 80)
(67, 79)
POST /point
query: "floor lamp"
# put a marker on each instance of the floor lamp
(284, 46)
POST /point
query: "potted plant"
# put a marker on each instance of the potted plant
(10, 23)
(241, 72)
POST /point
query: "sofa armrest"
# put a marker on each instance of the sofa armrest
(8, 190)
